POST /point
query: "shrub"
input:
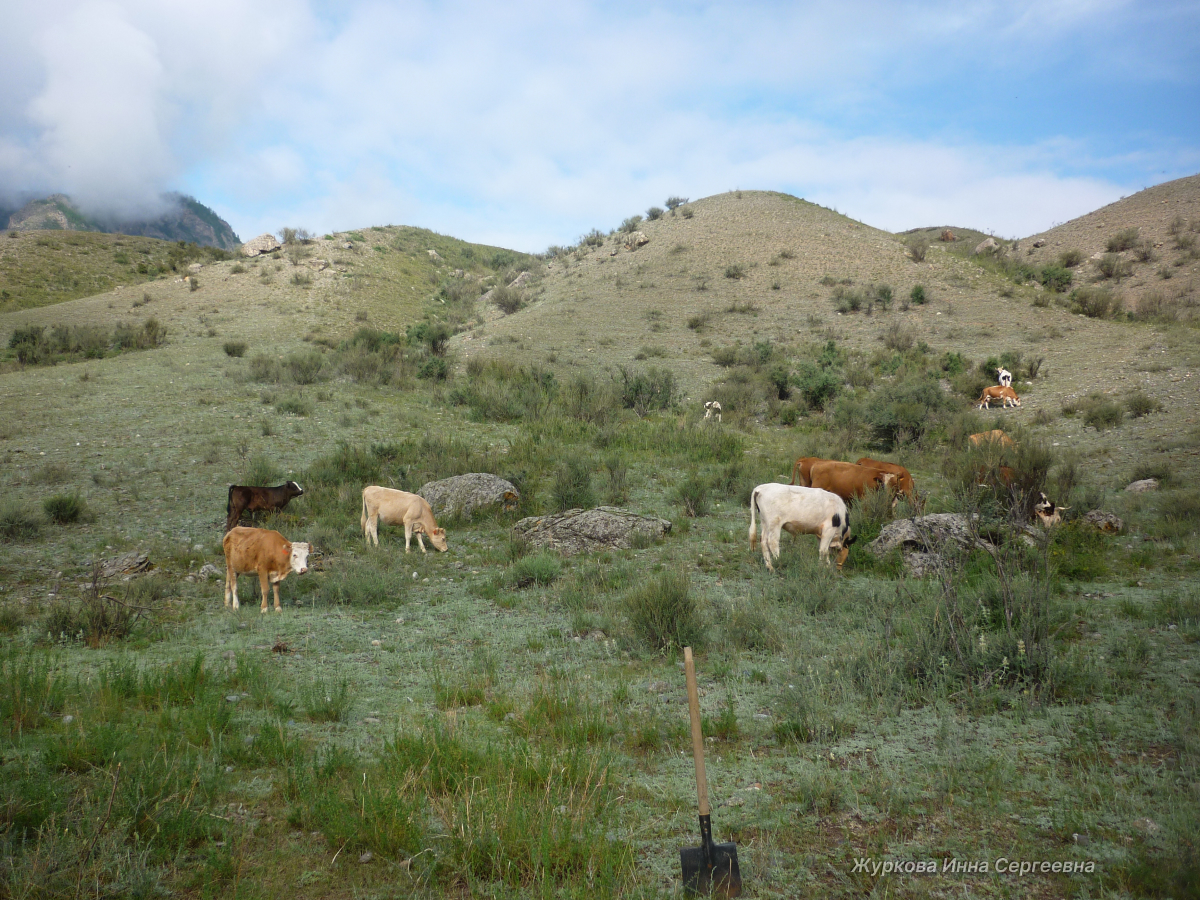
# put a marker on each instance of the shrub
(1102, 413)
(266, 369)
(663, 613)
(261, 471)
(654, 213)
(236, 349)
(1094, 302)
(304, 366)
(1110, 265)
(918, 246)
(953, 363)
(899, 337)
(630, 225)
(1124, 239)
(687, 212)
(573, 486)
(672, 203)
(436, 368)
(434, 336)
(648, 390)
(18, 522)
(64, 509)
(696, 322)
(507, 300)
(1055, 278)
(326, 702)
(1144, 251)
(907, 409)
(692, 495)
(301, 279)
(1140, 404)
(541, 569)
(883, 295)
(1069, 259)
(735, 271)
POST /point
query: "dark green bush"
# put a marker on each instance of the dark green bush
(1102, 413)
(539, 569)
(508, 300)
(65, 509)
(653, 213)
(1140, 404)
(304, 366)
(1124, 239)
(630, 225)
(1094, 302)
(664, 614)
(1069, 259)
(1110, 265)
(572, 487)
(918, 246)
(905, 410)
(735, 271)
(649, 390)
(692, 495)
(236, 349)
(18, 522)
(433, 336)
(436, 368)
(266, 369)
(918, 296)
(1056, 278)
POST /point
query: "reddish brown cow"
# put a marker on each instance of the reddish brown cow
(995, 436)
(848, 480)
(802, 469)
(903, 483)
(995, 476)
(268, 553)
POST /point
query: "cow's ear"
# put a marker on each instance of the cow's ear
(439, 531)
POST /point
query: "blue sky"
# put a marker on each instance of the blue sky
(527, 124)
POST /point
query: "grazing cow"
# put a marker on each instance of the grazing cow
(995, 436)
(802, 470)
(799, 510)
(244, 498)
(1047, 513)
(712, 408)
(995, 476)
(847, 480)
(903, 482)
(998, 393)
(392, 507)
(1004, 377)
(268, 553)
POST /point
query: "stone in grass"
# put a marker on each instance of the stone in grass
(922, 539)
(1146, 484)
(1105, 521)
(583, 530)
(462, 495)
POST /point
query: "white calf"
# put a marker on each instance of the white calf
(799, 510)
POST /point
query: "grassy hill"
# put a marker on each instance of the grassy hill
(497, 721)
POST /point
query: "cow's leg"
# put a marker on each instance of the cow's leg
(826, 539)
(278, 608)
(373, 529)
(408, 531)
(770, 545)
(263, 581)
(231, 587)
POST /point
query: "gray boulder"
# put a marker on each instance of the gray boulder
(986, 246)
(635, 240)
(463, 494)
(923, 540)
(583, 530)
(1146, 484)
(264, 243)
(1105, 521)
(519, 281)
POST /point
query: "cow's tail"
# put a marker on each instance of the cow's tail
(362, 520)
(795, 472)
(753, 527)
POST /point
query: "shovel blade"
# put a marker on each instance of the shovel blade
(717, 875)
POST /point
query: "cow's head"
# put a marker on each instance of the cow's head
(844, 552)
(437, 537)
(300, 551)
(293, 489)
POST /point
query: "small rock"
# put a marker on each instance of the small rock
(228, 770)
(1039, 243)
(1149, 826)
(1146, 484)
(367, 856)
(656, 687)
(1081, 839)
(371, 720)
(376, 643)
(1104, 521)
(67, 720)
(233, 698)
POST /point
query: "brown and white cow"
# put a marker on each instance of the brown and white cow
(847, 480)
(802, 469)
(268, 553)
(997, 393)
(799, 510)
(392, 507)
(995, 436)
(901, 484)
(250, 498)
(1047, 512)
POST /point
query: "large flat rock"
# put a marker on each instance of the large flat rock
(462, 495)
(583, 530)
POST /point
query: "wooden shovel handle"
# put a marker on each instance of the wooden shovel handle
(689, 668)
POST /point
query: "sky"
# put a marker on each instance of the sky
(527, 124)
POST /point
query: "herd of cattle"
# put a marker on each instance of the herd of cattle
(814, 502)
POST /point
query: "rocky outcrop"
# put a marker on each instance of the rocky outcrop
(519, 281)
(986, 246)
(635, 240)
(1140, 487)
(264, 243)
(462, 495)
(923, 541)
(1104, 521)
(125, 566)
(947, 236)
(583, 530)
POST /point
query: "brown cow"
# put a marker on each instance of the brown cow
(998, 393)
(995, 436)
(802, 468)
(995, 476)
(394, 507)
(243, 498)
(268, 553)
(847, 480)
(903, 483)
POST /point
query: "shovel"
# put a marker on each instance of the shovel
(710, 868)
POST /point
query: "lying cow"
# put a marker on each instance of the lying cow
(392, 507)
(847, 480)
(995, 436)
(246, 498)
(998, 393)
(799, 510)
(901, 484)
(802, 470)
(268, 553)
(1047, 513)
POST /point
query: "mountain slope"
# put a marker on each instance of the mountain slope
(185, 219)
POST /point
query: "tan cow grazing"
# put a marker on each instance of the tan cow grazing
(392, 507)
(268, 553)
(995, 436)
(902, 484)
(848, 480)
(801, 470)
(998, 393)
(799, 510)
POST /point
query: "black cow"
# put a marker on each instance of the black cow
(244, 498)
